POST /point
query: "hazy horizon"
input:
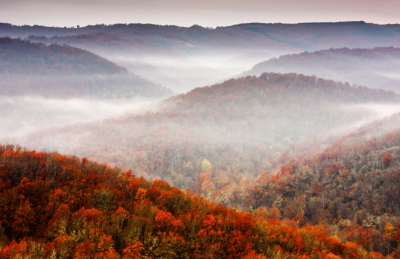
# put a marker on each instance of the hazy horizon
(188, 26)
(187, 13)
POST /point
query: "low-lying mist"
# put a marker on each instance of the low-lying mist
(184, 73)
(374, 112)
(25, 114)
(241, 127)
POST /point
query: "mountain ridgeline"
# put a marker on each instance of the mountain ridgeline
(183, 58)
(306, 36)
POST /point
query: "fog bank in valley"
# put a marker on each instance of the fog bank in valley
(240, 127)
(184, 73)
(25, 114)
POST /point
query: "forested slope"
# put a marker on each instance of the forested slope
(54, 206)
(352, 187)
(220, 134)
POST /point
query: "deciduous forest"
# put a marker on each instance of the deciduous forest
(253, 141)
(55, 206)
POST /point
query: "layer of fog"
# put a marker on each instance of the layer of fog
(374, 111)
(390, 75)
(377, 120)
(180, 66)
(182, 74)
(26, 114)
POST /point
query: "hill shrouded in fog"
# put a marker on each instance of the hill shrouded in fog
(66, 72)
(377, 67)
(230, 131)
(183, 58)
(353, 186)
(45, 86)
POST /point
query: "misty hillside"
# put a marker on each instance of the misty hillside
(64, 72)
(183, 58)
(232, 130)
(377, 67)
(377, 128)
(55, 206)
(149, 59)
(351, 186)
(24, 57)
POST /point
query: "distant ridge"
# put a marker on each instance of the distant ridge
(28, 68)
(377, 67)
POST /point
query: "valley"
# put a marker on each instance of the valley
(255, 141)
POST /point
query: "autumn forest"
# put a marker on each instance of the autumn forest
(254, 141)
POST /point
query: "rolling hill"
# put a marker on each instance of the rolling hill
(65, 72)
(225, 133)
(377, 67)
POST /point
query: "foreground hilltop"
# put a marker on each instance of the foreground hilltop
(223, 133)
(59, 206)
(61, 71)
(377, 68)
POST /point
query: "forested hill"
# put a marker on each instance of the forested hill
(351, 187)
(220, 134)
(54, 206)
(377, 67)
(24, 57)
(61, 71)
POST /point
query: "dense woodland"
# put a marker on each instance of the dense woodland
(63, 72)
(217, 129)
(351, 187)
(377, 67)
(53, 206)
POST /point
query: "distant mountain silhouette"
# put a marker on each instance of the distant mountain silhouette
(376, 68)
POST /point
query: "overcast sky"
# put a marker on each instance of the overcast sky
(210, 13)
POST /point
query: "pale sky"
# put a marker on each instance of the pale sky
(209, 13)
